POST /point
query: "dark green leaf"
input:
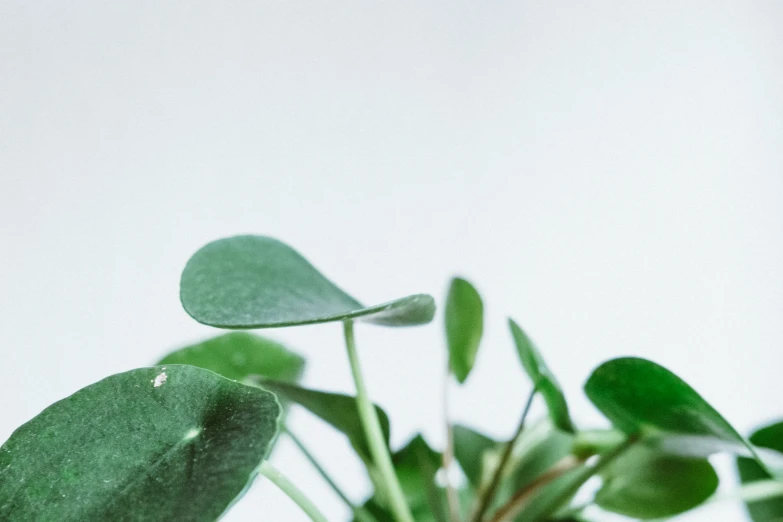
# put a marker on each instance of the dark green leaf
(771, 437)
(340, 411)
(470, 450)
(166, 443)
(259, 282)
(239, 355)
(643, 483)
(543, 379)
(464, 326)
(640, 396)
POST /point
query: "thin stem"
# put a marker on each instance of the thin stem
(448, 453)
(294, 493)
(374, 434)
(358, 511)
(514, 506)
(760, 490)
(489, 493)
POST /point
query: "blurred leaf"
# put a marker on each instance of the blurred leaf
(464, 326)
(640, 396)
(770, 437)
(644, 484)
(416, 465)
(340, 411)
(239, 355)
(154, 444)
(539, 448)
(259, 282)
(470, 450)
(543, 379)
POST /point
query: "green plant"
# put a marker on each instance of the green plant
(184, 439)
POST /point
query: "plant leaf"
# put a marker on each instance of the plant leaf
(415, 465)
(464, 326)
(770, 437)
(239, 355)
(640, 396)
(173, 443)
(470, 450)
(539, 448)
(259, 282)
(643, 483)
(338, 410)
(543, 379)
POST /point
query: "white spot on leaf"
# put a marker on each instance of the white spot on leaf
(160, 380)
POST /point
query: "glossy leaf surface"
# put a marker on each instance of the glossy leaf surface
(260, 282)
(640, 396)
(770, 437)
(339, 410)
(645, 484)
(239, 355)
(464, 327)
(543, 379)
(153, 444)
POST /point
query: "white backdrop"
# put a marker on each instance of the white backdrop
(609, 173)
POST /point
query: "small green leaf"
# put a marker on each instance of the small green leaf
(643, 483)
(464, 326)
(154, 444)
(258, 282)
(340, 411)
(770, 437)
(470, 450)
(640, 396)
(539, 448)
(239, 355)
(416, 465)
(543, 379)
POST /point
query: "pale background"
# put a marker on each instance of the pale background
(609, 173)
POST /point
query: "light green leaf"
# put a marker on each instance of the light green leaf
(640, 396)
(338, 410)
(643, 483)
(769, 510)
(539, 448)
(543, 379)
(239, 355)
(153, 444)
(258, 282)
(464, 326)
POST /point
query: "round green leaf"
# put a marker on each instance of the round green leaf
(341, 411)
(640, 396)
(770, 437)
(543, 379)
(239, 355)
(643, 483)
(464, 326)
(166, 443)
(259, 282)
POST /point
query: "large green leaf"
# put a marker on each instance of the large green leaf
(464, 326)
(260, 282)
(471, 450)
(239, 355)
(543, 379)
(771, 437)
(338, 410)
(645, 484)
(640, 396)
(166, 443)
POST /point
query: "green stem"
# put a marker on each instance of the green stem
(294, 493)
(489, 493)
(359, 512)
(374, 434)
(760, 490)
